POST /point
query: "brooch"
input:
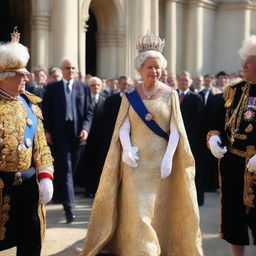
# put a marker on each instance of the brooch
(29, 122)
(28, 142)
(149, 117)
(249, 115)
(166, 95)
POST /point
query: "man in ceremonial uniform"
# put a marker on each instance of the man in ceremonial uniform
(26, 170)
(233, 140)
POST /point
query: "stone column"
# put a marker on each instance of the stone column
(233, 23)
(82, 29)
(64, 31)
(194, 47)
(155, 17)
(111, 57)
(40, 27)
(137, 24)
(170, 49)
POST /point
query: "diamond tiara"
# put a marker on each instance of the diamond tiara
(150, 42)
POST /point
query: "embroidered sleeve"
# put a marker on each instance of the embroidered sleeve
(42, 159)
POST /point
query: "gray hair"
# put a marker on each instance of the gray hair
(142, 56)
(94, 78)
(5, 74)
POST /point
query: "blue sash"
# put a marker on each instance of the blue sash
(31, 126)
(139, 107)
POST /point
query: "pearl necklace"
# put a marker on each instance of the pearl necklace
(147, 93)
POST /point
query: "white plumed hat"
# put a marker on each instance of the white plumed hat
(248, 48)
(13, 55)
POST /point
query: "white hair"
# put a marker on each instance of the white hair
(3, 75)
(142, 56)
(95, 78)
(248, 48)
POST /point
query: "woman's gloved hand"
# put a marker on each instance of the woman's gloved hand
(46, 190)
(130, 156)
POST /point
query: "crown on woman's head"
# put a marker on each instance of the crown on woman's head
(150, 42)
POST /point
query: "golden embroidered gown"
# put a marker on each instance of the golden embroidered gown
(135, 212)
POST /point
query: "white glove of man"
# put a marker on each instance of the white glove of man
(166, 165)
(216, 150)
(129, 152)
(252, 164)
(46, 190)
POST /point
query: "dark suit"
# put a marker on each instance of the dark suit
(110, 112)
(192, 112)
(89, 173)
(210, 162)
(66, 147)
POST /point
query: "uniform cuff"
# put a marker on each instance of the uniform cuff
(44, 175)
(211, 133)
(45, 171)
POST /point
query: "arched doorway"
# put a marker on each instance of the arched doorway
(91, 49)
(15, 13)
(105, 32)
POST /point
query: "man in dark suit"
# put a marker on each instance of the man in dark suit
(67, 118)
(192, 111)
(110, 112)
(210, 162)
(38, 87)
(90, 168)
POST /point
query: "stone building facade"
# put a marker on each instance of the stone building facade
(201, 36)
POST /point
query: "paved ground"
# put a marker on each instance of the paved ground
(66, 239)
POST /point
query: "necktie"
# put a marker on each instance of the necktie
(69, 110)
(182, 96)
(68, 89)
(94, 101)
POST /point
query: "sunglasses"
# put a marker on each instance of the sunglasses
(69, 68)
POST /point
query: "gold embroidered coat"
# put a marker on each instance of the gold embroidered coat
(16, 158)
(13, 120)
(135, 212)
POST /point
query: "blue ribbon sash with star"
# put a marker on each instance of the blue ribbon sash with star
(139, 107)
(32, 124)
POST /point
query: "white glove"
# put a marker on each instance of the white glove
(130, 157)
(46, 190)
(252, 164)
(166, 165)
(216, 150)
(129, 152)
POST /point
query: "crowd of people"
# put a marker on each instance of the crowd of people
(197, 102)
(146, 150)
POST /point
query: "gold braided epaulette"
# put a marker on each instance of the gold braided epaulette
(230, 91)
(33, 98)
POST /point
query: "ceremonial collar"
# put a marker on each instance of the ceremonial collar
(6, 95)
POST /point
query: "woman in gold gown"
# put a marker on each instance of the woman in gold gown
(146, 201)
